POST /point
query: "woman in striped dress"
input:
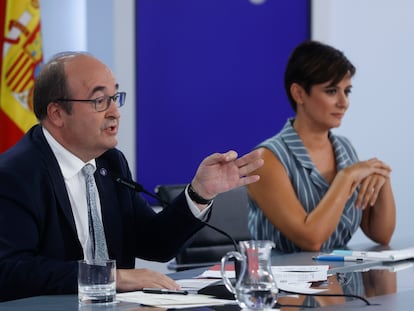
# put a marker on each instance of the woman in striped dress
(314, 192)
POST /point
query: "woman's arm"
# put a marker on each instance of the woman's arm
(277, 199)
(379, 218)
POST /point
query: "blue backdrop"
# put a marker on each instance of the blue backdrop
(210, 78)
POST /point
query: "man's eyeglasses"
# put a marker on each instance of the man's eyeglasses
(101, 103)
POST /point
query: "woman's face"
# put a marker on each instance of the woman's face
(325, 105)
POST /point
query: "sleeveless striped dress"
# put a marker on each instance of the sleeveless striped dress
(309, 187)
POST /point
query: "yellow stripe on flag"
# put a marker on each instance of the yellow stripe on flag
(22, 55)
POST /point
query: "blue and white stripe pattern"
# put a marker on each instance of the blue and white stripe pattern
(310, 187)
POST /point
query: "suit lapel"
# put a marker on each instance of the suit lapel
(56, 176)
(111, 214)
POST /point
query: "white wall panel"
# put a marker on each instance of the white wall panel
(377, 36)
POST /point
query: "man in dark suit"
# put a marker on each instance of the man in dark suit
(43, 217)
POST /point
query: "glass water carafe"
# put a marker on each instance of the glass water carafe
(255, 286)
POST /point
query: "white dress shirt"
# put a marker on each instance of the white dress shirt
(71, 167)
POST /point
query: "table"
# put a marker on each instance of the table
(387, 285)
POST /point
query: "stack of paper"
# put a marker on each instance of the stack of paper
(296, 279)
(386, 256)
(169, 301)
(402, 254)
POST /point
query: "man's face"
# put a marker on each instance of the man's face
(86, 132)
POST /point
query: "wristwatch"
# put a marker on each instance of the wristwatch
(196, 197)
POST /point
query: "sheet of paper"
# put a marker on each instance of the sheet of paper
(385, 256)
(298, 274)
(289, 274)
(195, 284)
(294, 279)
(171, 300)
(214, 274)
(401, 254)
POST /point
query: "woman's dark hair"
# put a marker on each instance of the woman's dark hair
(313, 62)
(51, 84)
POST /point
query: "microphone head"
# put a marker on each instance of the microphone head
(128, 183)
(135, 186)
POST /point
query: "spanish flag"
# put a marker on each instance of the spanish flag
(21, 57)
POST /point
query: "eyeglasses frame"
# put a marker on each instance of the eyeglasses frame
(94, 101)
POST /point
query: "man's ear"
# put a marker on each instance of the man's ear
(55, 114)
(298, 93)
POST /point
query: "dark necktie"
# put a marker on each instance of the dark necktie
(96, 246)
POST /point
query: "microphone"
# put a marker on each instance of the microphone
(136, 187)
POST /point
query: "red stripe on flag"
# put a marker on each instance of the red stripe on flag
(26, 80)
(13, 132)
(27, 74)
(14, 80)
(16, 62)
